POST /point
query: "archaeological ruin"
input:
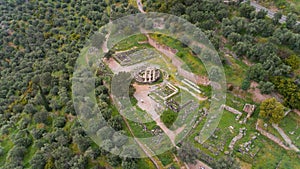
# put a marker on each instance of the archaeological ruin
(148, 75)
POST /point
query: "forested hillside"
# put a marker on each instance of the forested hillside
(273, 48)
(40, 41)
(39, 44)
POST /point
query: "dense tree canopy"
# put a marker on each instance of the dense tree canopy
(272, 110)
(188, 153)
(40, 42)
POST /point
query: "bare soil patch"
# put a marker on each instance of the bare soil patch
(144, 101)
(257, 96)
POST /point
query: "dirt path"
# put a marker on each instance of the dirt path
(154, 159)
(147, 104)
(271, 137)
(144, 101)
(143, 91)
(198, 165)
(114, 66)
(140, 6)
(297, 112)
(285, 137)
(256, 94)
(104, 45)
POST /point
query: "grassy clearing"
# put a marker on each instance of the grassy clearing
(291, 124)
(132, 41)
(166, 158)
(30, 152)
(270, 129)
(6, 144)
(272, 156)
(236, 102)
(193, 63)
(138, 130)
(145, 163)
(236, 72)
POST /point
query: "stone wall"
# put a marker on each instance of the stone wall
(271, 137)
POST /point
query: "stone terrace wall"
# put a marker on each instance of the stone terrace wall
(271, 137)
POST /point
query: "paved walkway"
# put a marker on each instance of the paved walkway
(148, 105)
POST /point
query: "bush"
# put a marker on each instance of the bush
(60, 122)
(168, 117)
(266, 87)
(41, 117)
(246, 84)
(17, 153)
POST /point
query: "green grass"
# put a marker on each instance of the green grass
(138, 130)
(269, 154)
(30, 152)
(133, 3)
(166, 158)
(7, 145)
(292, 123)
(237, 102)
(131, 42)
(236, 72)
(270, 129)
(168, 117)
(193, 63)
(145, 163)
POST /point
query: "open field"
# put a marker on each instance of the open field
(291, 125)
(132, 41)
(184, 53)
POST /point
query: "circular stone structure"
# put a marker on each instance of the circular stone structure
(148, 75)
